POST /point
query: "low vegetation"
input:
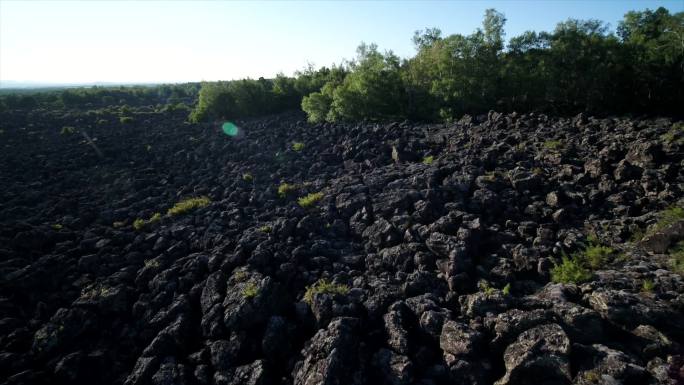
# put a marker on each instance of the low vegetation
(310, 199)
(250, 290)
(140, 223)
(428, 160)
(677, 258)
(570, 271)
(67, 130)
(286, 188)
(578, 267)
(297, 146)
(247, 177)
(322, 286)
(187, 205)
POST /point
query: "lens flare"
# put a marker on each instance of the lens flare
(230, 129)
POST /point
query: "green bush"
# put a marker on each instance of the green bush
(187, 205)
(297, 146)
(250, 290)
(428, 160)
(286, 188)
(322, 286)
(67, 130)
(570, 271)
(310, 199)
(125, 120)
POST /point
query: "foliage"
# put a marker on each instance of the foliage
(677, 258)
(596, 256)
(507, 289)
(297, 146)
(286, 188)
(139, 223)
(57, 226)
(322, 286)
(67, 130)
(553, 144)
(428, 160)
(125, 120)
(667, 218)
(310, 199)
(265, 229)
(648, 286)
(247, 177)
(250, 290)
(187, 205)
(569, 271)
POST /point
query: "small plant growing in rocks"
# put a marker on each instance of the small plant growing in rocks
(310, 200)
(322, 286)
(667, 218)
(569, 271)
(428, 160)
(118, 224)
(648, 286)
(596, 255)
(677, 258)
(187, 205)
(297, 146)
(507, 289)
(125, 120)
(57, 226)
(286, 188)
(139, 223)
(553, 144)
(67, 130)
(265, 229)
(247, 177)
(250, 290)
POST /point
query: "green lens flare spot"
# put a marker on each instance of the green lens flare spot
(230, 129)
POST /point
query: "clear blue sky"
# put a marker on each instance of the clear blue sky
(177, 41)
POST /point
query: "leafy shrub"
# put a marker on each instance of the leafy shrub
(265, 229)
(310, 199)
(250, 290)
(139, 223)
(667, 218)
(286, 188)
(67, 130)
(428, 160)
(187, 205)
(648, 286)
(322, 286)
(569, 271)
(247, 177)
(677, 258)
(507, 289)
(597, 256)
(125, 120)
(553, 144)
(297, 146)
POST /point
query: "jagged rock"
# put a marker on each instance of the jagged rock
(539, 355)
(330, 357)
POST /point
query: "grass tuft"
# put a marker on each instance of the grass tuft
(250, 290)
(310, 199)
(188, 205)
(570, 271)
(297, 146)
(428, 160)
(322, 286)
(286, 188)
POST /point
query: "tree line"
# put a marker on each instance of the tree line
(580, 66)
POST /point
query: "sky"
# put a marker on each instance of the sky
(179, 41)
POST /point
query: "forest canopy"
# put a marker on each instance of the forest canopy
(580, 66)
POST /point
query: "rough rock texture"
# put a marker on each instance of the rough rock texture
(442, 267)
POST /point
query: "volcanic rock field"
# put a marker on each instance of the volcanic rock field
(424, 254)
